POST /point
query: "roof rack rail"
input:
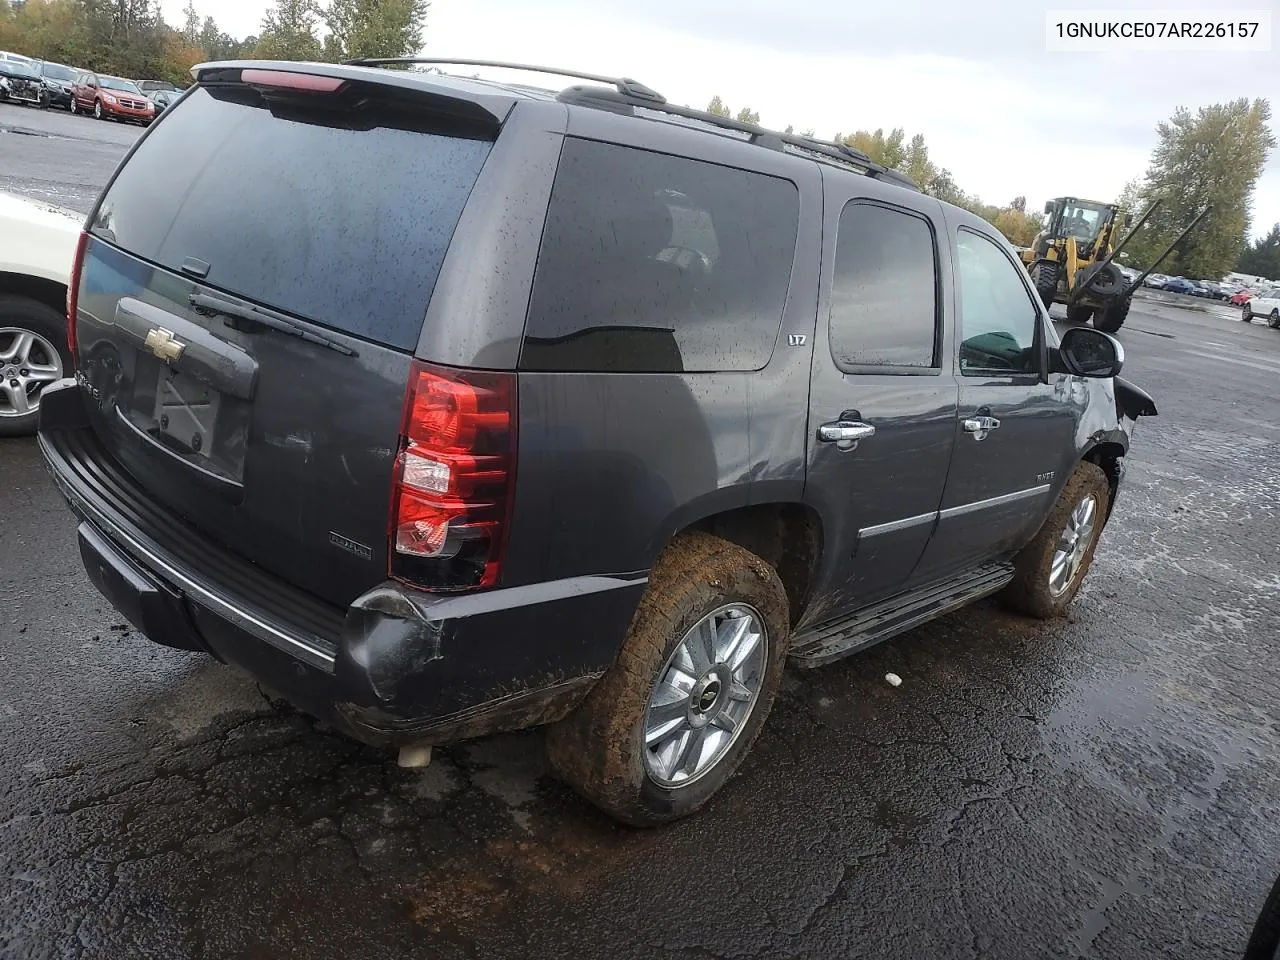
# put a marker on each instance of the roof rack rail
(604, 98)
(624, 85)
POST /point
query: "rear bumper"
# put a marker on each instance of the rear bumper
(397, 666)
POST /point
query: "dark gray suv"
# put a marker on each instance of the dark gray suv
(446, 407)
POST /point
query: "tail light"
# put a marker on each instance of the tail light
(73, 293)
(454, 478)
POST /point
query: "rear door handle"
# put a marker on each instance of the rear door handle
(980, 426)
(845, 431)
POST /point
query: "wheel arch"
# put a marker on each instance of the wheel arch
(785, 534)
(1109, 455)
(51, 293)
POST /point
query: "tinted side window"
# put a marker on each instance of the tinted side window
(652, 263)
(884, 296)
(998, 318)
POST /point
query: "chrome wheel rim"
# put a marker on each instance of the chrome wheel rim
(704, 695)
(27, 363)
(1074, 543)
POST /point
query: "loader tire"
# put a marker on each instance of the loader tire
(1044, 275)
(1079, 315)
(1112, 318)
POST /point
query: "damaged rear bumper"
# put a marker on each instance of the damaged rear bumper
(397, 666)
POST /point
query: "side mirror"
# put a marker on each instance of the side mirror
(1086, 352)
(1048, 206)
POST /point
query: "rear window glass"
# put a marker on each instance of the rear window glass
(345, 227)
(652, 263)
(58, 72)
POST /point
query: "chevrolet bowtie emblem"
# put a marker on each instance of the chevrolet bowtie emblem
(161, 342)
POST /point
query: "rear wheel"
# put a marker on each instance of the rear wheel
(33, 354)
(1044, 276)
(1113, 317)
(1051, 567)
(672, 719)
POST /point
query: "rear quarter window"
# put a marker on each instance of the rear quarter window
(654, 263)
(307, 213)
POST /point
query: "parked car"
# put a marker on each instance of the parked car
(1178, 285)
(1156, 280)
(149, 87)
(163, 99)
(37, 245)
(1264, 305)
(110, 98)
(624, 467)
(19, 82)
(1241, 297)
(6, 55)
(56, 80)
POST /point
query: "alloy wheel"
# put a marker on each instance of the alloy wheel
(28, 362)
(1072, 547)
(704, 694)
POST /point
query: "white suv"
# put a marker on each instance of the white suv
(1265, 303)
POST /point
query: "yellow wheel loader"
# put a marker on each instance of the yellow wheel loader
(1071, 261)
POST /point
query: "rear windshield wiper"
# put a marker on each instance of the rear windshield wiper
(268, 318)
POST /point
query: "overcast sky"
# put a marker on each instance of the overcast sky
(1006, 117)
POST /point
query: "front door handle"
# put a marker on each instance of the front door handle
(980, 426)
(845, 433)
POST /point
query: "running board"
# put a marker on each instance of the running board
(848, 634)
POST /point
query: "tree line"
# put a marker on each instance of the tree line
(911, 157)
(1210, 157)
(130, 38)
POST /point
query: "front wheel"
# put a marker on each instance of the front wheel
(1113, 317)
(1246, 314)
(1273, 321)
(1044, 277)
(97, 109)
(1079, 315)
(672, 719)
(1050, 569)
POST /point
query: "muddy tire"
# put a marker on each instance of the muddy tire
(1112, 319)
(615, 748)
(1050, 569)
(1044, 277)
(33, 354)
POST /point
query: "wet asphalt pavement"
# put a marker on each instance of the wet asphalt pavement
(1103, 786)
